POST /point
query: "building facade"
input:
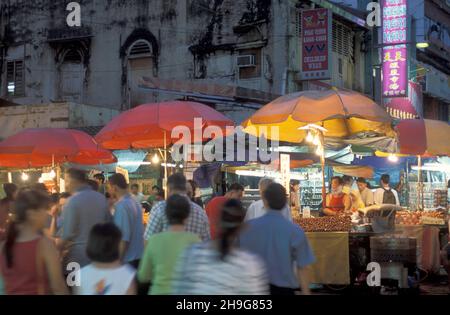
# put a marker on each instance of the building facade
(429, 22)
(185, 49)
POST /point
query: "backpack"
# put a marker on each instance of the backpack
(389, 197)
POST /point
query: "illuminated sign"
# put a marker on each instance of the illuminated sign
(395, 53)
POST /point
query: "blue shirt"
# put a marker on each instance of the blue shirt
(281, 244)
(128, 217)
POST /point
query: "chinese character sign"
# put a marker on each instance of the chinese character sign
(394, 21)
(395, 66)
(316, 44)
(395, 78)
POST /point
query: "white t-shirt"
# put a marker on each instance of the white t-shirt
(106, 281)
(379, 193)
(257, 209)
(139, 197)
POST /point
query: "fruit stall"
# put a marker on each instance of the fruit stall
(344, 245)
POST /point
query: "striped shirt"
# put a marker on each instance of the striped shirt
(197, 221)
(200, 271)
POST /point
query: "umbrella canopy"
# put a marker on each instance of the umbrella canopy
(46, 146)
(146, 126)
(424, 137)
(343, 113)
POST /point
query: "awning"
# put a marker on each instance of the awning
(205, 89)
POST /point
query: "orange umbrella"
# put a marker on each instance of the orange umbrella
(343, 113)
(335, 114)
(48, 146)
(422, 137)
(150, 125)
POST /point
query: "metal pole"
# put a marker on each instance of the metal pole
(165, 165)
(419, 180)
(322, 162)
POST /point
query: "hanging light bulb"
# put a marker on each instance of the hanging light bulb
(25, 177)
(319, 151)
(309, 137)
(40, 180)
(155, 159)
(316, 140)
(393, 158)
(52, 173)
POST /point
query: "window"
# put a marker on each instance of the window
(141, 63)
(253, 70)
(342, 40)
(140, 48)
(15, 78)
(72, 77)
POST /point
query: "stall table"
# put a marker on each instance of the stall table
(331, 250)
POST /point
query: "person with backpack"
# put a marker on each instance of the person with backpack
(385, 195)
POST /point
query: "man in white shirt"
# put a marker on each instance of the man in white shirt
(385, 194)
(257, 208)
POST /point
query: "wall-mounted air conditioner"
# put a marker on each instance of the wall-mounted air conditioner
(245, 61)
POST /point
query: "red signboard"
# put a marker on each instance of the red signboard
(316, 44)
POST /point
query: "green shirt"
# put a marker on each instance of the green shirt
(160, 257)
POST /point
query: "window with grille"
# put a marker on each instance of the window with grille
(15, 78)
(298, 23)
(140, 48)
(342, 40)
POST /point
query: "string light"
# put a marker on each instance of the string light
(319, 151)
(393, 158)
(155, 159)
(309, 137)
(52, 174)
(316, 140)
(25, 177)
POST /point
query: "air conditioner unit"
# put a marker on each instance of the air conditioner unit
(244, 61)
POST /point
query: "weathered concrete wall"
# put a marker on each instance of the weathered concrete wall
(184, 34)
(55, 115)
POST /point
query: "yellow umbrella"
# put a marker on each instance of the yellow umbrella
(343, 113)
(333, 114)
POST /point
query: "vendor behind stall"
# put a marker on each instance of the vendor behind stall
(294, 198)
(364, 191)
(337, 202)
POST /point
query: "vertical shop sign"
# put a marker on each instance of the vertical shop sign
(316, 44)
(395, 53)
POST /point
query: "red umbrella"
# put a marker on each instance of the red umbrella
(150, 125)
(48, 146)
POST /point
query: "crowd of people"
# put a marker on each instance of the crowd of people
(344, 198)
(92, 240)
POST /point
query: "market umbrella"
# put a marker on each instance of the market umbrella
(335, 114)
(150, 126)
(342, 113)
(42, 147)
(422, 138)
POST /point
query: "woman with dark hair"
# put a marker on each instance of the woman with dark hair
(29, 262)
(106, 275)
(218, 267)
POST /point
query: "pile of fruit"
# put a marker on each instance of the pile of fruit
(325, 224)
(420, 217)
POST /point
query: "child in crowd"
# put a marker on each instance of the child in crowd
(106, 275)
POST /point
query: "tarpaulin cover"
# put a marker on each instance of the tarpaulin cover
(331, 250)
